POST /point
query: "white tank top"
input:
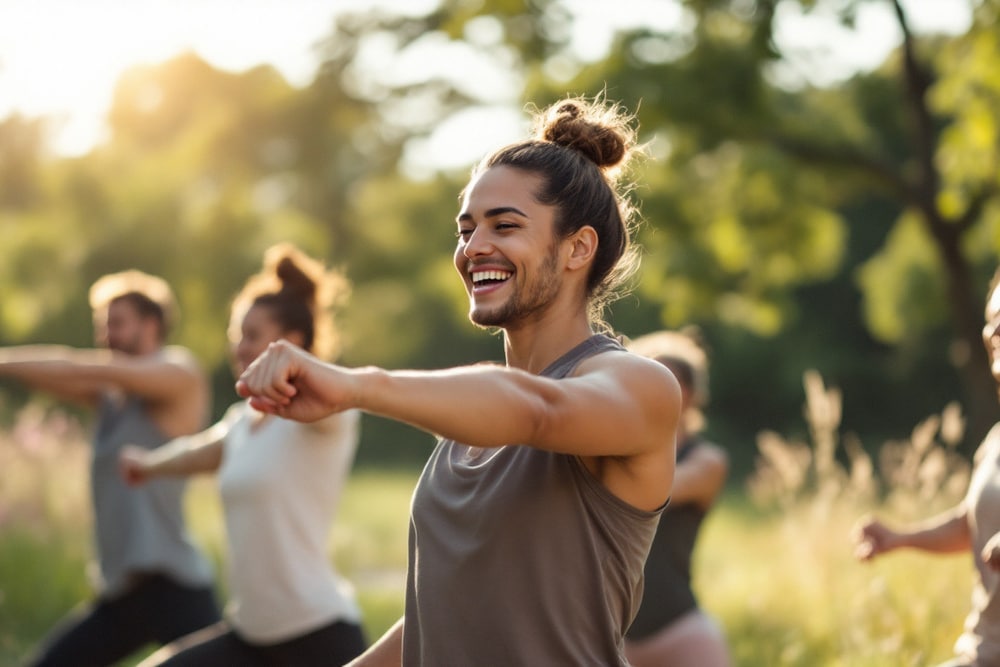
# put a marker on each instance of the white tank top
(280, 482)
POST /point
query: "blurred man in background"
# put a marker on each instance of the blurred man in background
(153, 585)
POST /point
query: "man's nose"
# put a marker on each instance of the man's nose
(478, 243)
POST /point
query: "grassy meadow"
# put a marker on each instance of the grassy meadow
(774, 565)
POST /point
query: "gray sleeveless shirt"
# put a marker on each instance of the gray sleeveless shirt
(519, 556)
(138, 529)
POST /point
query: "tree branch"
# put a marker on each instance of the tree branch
(845, 157)
(974, 210)
(917, 79)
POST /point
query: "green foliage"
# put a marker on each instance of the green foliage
(904, 295)
(708, 259)
(42, 581)
(21, 149)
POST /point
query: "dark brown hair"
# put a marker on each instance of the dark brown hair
(299, 293)
(151, 297)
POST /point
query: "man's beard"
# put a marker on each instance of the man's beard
(128, 346)
(519, 308)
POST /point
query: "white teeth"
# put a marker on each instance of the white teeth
(478, 276)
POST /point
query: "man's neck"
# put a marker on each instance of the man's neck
(534, 348)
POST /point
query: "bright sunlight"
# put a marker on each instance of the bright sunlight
(60, 58)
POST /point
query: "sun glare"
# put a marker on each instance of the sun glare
(65, 61)
(61, 58)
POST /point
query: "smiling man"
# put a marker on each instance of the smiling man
(153, 585)
(532, 520)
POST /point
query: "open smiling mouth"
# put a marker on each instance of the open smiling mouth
(484, 280)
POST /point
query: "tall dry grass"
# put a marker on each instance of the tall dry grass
(780, 572)
(913, 475)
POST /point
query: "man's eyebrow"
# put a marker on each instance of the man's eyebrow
(493, 212)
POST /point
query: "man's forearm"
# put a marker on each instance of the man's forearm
(946, 533)
(52, 368)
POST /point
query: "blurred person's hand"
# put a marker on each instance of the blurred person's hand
(133, 466)
(873, 538)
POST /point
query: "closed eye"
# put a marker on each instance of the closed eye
(465, 233)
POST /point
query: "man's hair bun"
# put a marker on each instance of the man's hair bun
(596, 132)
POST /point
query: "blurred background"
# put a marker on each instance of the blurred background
(821, 191)
(821, 198)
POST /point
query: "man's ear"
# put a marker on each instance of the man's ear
(582, 247)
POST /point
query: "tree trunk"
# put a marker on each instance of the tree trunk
(979, 388)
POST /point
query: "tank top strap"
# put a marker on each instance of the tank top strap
(594, 345)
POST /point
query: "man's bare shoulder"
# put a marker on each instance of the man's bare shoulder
(643, 380)
(177, 355)
(630, 365)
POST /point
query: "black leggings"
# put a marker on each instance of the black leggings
(330, 646)
(155, 610)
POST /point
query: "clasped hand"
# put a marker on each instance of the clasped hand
(289, 382)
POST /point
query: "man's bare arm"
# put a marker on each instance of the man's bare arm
(80, 374)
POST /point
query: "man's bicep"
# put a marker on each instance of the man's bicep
(614, 411)
(157, 380)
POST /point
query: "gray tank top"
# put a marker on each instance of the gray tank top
(519, 556)
(138, 529)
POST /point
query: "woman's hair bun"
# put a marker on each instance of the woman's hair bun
(295, 278)
(301, 294)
